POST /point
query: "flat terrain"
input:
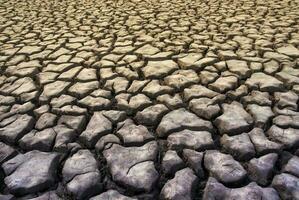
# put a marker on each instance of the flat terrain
(153, 99)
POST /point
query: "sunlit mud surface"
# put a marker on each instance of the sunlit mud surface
(156, 99)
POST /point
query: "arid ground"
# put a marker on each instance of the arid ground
(153, 99)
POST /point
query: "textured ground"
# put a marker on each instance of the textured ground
(156, 99)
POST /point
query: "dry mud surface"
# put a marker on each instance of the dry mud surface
(156, 99)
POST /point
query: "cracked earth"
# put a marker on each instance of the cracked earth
(156, 99)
